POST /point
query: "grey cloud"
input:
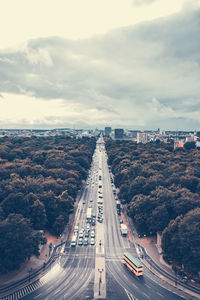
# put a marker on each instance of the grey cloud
(143, 2)
(117, 74)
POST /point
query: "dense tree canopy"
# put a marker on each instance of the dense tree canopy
(180, 240)
(40, 178)
(161, 188)
(17, 242)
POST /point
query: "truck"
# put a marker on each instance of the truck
(123, 229)
(73, 241)
(118, 206)
(89, 215)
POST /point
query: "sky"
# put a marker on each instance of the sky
(131, 64)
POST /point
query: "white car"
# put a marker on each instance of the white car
(92, 234)
(92, 242)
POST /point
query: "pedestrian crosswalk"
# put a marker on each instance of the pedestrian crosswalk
(25, 290)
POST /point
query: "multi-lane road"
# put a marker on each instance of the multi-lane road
(96, 271)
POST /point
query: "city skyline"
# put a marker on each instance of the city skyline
(132, 64)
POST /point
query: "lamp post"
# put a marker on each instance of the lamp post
(29, 272)
(100, 271)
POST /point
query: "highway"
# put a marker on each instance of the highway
(76, 275)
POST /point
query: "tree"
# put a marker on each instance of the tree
(17, 242)
(59, 225)
(180, 240)
(38, 215)
(189, 233)
(170, 240)
(190, 145)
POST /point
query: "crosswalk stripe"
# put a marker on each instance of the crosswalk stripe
(25, 290)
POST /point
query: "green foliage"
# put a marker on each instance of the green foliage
(190, 145)
(40, 178)
(180, 240)
(38, 215)
(17, 242)
(161, 188)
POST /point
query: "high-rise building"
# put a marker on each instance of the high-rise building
(108, 131)
(142, 137)
(119, 133)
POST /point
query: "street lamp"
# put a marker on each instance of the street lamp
(29, 271)
(100, 271)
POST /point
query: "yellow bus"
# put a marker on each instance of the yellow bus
(133, 264)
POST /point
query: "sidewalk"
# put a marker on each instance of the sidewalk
(152, 250)
(30, 265)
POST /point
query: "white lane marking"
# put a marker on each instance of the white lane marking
(160, 294)
(38, 295)
(130, 296)
(147, 285)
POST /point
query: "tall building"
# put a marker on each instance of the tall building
(119, 133)
(108, 131)
(142, 137)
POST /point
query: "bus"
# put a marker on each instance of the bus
(73, 241)
(133, 264)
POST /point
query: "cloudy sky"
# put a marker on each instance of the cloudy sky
(93, 63)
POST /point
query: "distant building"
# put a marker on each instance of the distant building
(191, 138)
(119, 133)
(142, 137)
(178, 144)
(108, 131)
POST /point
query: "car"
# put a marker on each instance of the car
(82, 229)
(87, 234)
(83, 202)
(81, 234)
(92, 234)
(94, 216)
(80, 242)
(100, 220)
(76, 229)
(90, 206)
(88, 227)
(93, 223)
(121, 221)
(91, 200)
(92, 242)
(85, 242)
